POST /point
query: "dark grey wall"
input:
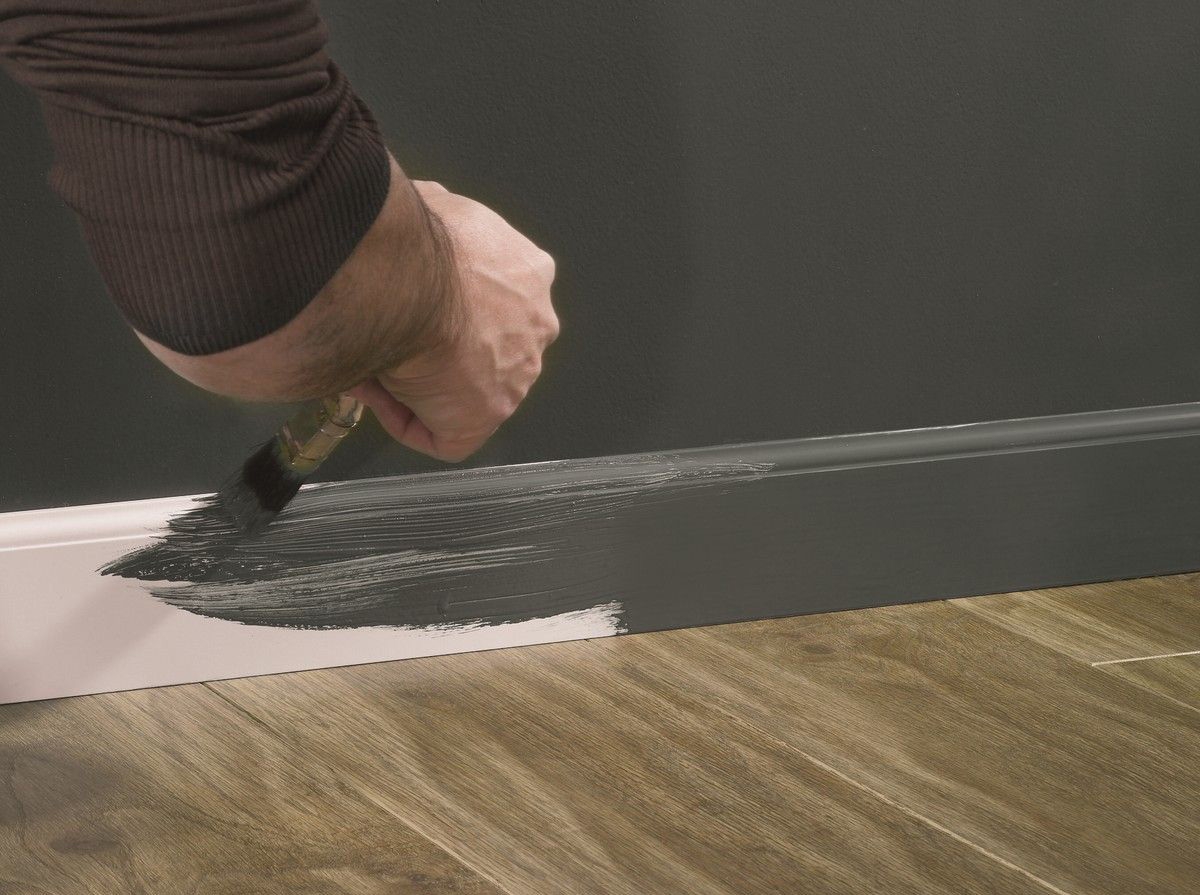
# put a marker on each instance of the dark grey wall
(771, 219)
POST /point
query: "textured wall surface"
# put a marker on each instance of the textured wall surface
(771, 220)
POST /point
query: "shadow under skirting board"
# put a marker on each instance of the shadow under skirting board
(407, 566)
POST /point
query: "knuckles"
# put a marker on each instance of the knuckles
(485, 375)
(499, 409)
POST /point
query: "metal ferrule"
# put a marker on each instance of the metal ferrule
(312, 434)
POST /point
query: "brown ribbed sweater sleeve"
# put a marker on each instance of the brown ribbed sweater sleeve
(220, 164)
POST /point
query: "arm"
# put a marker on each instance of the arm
(249, 224)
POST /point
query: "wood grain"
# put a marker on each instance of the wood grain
(176, 791)
(919, 748)
(585, 768)
(685, 760)
(1176, 678)
(1083, 779)
(1100, 622)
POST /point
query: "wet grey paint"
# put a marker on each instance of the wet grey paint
(715, 535)
(488, 546)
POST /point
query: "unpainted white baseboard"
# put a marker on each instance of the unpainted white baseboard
(67, 631)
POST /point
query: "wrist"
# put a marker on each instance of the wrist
(396, 296)
(433, 294)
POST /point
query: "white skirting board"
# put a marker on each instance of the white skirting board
(65, 630)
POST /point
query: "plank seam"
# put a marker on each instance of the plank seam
(363, 791)
(929, 822)
(1194, 652)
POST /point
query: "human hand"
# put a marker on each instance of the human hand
(448, 400)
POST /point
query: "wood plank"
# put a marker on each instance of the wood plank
(1176, 678)
(176, 791)
(1081, 778)
(1100, 622)
(592, 768)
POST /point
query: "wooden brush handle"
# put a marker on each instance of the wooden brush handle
(312, 434)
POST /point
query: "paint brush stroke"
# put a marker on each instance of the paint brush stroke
(477, 547)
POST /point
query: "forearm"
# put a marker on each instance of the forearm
(221, 167)
(395, 297)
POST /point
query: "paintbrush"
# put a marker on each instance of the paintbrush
(274, 473)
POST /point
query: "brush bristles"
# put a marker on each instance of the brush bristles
(265, 486)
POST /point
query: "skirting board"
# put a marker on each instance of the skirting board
(392, 568)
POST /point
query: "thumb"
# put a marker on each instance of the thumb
(396, 418)
(402, 423)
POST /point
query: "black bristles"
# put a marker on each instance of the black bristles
(265, 486)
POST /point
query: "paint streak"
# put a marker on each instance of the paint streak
(484, 546)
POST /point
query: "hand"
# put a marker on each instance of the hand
(447, 401)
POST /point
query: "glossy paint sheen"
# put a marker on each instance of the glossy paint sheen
(490, 547)
(708, 535)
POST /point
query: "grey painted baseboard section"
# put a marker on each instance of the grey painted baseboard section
(471, 559)
(712, 535)
(867, 520)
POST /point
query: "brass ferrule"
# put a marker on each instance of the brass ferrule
(312, 434)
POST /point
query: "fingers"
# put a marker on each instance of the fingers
(454, 451)
(395, 418)
(447, 403)
(399, 421)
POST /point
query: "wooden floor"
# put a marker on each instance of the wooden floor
(1023, 743)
